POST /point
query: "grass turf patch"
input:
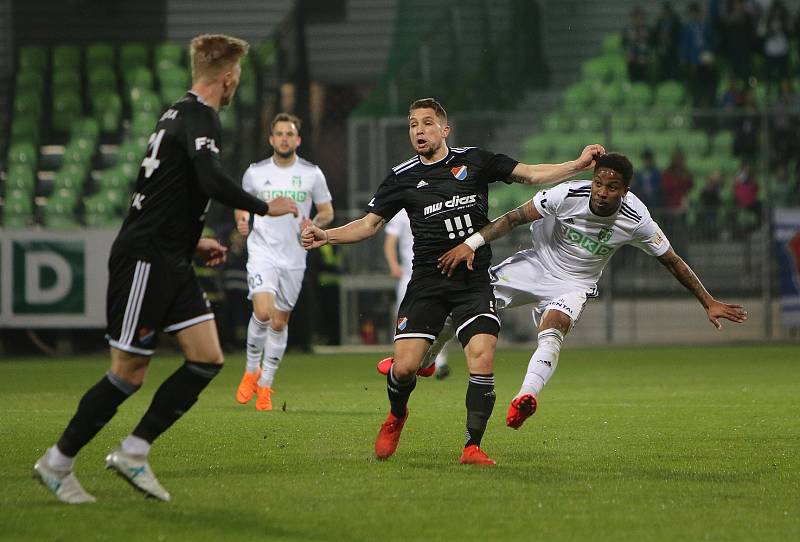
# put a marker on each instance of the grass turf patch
(628, 444)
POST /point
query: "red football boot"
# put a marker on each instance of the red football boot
(520, 410)
(389, 436)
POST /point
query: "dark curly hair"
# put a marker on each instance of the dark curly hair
(616, 162)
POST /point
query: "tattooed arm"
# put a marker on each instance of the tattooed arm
(714, 309)
(500, 226)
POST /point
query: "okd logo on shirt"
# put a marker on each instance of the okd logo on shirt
(48, 277)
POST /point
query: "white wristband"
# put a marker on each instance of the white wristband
(475, 241)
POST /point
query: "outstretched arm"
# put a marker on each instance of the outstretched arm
(498, 227)
(314, 237)
(714, 309)
(553, 173)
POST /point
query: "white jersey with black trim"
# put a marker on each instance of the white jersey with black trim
(574, 243)
(400, 227)
(276, 239)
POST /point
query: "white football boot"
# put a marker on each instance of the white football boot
(63, 484)
(136, 471)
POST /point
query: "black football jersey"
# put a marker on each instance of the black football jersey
(446, 202)
(168, 207)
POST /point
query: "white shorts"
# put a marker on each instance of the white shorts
(520, 280)
(285, 284)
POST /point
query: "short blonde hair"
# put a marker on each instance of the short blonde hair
(284, 117)
(212, 54)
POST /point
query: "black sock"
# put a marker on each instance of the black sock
(480, 403)
(176, 395)
(95, 409)
(399, 392)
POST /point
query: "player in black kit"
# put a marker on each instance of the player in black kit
(152, 286)
(444, 190)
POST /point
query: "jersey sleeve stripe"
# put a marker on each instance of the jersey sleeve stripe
(403, 165)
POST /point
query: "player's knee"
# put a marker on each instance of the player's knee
(128, 375)
(278, 324)
(262, 315)
(551, 339)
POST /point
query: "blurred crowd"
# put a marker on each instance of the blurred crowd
(737, 57)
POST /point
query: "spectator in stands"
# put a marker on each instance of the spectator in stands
(676, 181)
(784, 124)
(664, 37)
(745, 142)
(776, 43)
(697, 56)
(710, 201)
(745, 190)
(647, 182)
(783, 189)
(733, 97)
(740, 39)
(635, 41)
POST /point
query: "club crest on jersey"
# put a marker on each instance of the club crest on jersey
(459, 172)
(297, 181)
(604, 234)
(402, 323)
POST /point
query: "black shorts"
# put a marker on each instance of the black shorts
(429, 300)
(149, 296)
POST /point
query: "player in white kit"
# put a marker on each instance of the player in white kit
(276, 261)
(399, 239)
(577, 227)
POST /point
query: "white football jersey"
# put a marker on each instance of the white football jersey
(575, 244)
(276, 239)
(400, 227)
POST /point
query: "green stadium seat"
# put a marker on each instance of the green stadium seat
(16, 221)
(21, 177)
(612, 44)
(66, 57)
(99, 55)
(578, 98)
(61, 222)
(71, 176)
(623, 122)
(18, 202)
(170, 95)
(588, 123)
(679, 121)
(537, 149)
(696, 142)
(670, 95)
(87, 127)
(115, 179)
(722, 143)
(638, 97)
(79, 150)
(145, 101)
(138, 78)
(107, 110)
(66, 109)
(33, 58)
(651, 123)
(101, 80)
(558, 123)
(130, 169)
(175, 77)
(609, 98)
(25, 128)
(30, 82)
(595, 69)
(168, 54)
(66, 82)
(28, 103)
(23, 153)
(130, 152)
(66, 197)
(132, 55)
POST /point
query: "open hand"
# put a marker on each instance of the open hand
(450, 259)
(718, 309)
(211, 252)
(282, 206)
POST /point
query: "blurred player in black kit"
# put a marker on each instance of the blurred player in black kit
(445, 192)
(152, 286)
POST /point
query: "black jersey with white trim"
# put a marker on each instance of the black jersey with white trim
(180, 171)
(446, 201)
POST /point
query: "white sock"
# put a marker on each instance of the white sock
(256, 337)
(437, 348)
(56, 459)
(135, 446)
(543, 362)
(273, 354)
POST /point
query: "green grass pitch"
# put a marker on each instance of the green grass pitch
(628, 444)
